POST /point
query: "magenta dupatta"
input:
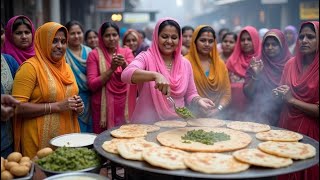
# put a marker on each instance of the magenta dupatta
(177, 77)
(20, 55)
(238, 62)
(114, 87)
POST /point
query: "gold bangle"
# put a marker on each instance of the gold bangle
(49, 108)
(45, 108)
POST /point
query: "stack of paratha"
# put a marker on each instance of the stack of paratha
(279, 150)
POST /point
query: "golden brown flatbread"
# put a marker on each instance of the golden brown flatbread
(172, 138)
(215, 163)
(132, 150)
(111, 146)
(165, 157)
(171, 123)
(206, 122)
(294, 150)
(279, 135)
(128, 133)
(147, 127)
(248, 126)
(259, 158)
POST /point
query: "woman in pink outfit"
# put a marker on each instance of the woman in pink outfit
(104, 67)
(162, 71)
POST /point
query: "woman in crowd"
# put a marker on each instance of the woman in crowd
(104, 66)
(187, 32)
(47, 90)
(300, 92)
(247, 47)
(221, 33)
(227, 45)
(9, 66)
(76, 57)
(19, 38)
(162, 71)
(91, 38)
(291, 35)
(263, 76)
(131, 39)
(210, 72)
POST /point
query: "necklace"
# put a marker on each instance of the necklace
(169, 65)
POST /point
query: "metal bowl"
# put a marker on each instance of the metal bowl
(48, 173)
(76, 176)
(74, 140)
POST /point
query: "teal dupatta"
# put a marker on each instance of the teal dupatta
(78, 66)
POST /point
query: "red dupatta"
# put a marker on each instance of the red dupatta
(239, 62)
(304, 86)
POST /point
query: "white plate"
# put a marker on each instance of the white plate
(73, 140)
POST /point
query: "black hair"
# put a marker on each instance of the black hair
(87, 33)
(20, 21)
(72, 23)
(310, 25)
(234, 35)
(107, 25)
(64, 31)
(223, 29)
(3, 25)
(205, 29)
(142, 32)
(171, 23)
(186, 28)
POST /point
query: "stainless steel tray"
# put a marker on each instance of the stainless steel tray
(252, 172)
(29, 176)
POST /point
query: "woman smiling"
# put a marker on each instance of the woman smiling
(48, 92)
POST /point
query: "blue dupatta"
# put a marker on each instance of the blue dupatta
(9, 67)
(78, 66)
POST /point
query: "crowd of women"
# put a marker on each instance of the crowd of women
(66, 80)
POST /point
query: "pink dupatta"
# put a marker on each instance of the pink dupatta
(177, 77)
(20, 55)
(114, 86)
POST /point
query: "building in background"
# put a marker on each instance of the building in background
(232, 14)
(91, 13)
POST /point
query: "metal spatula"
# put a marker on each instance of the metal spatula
(183, 112)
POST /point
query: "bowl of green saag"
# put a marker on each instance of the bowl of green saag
(67, 159)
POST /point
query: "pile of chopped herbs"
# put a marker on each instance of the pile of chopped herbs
(70, 159)
(184, 112)
(204, 137)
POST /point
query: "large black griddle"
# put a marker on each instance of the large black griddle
(252, 172)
